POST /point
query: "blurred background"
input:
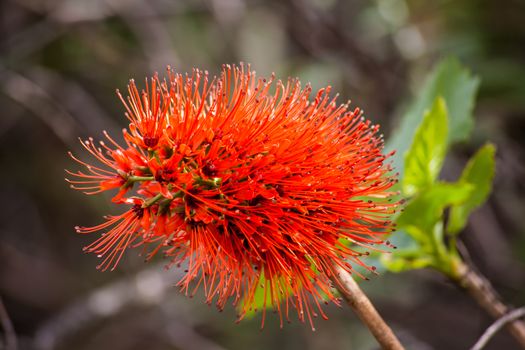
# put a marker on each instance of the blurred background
(60, 63)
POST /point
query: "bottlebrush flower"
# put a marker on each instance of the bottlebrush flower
(245, 182)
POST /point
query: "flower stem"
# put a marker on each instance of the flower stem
(496, 326)
(152, 200)
(140, 178)
(485, 295)
(362, 306)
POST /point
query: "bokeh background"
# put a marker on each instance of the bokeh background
(60, 63)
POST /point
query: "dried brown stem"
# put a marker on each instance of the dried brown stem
(485, 295)
(360, 303)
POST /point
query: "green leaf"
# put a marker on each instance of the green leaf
(407, 259)
(479, 172)
(458, 87)
(425, 157)
(422, 214)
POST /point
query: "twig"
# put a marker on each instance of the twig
(496, 326)
(364, 309)
(9, 330)
(483, 292)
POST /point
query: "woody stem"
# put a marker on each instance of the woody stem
(485, 295)
(359, 302)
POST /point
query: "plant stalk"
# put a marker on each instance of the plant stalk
(487, 297)
(362, 306)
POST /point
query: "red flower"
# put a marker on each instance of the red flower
(147, 113)
(245, 187)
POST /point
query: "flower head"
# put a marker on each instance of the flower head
(246, 182)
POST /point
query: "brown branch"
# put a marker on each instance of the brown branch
(362, 306)
(496, 326)
(9, 330)
(485, 295)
